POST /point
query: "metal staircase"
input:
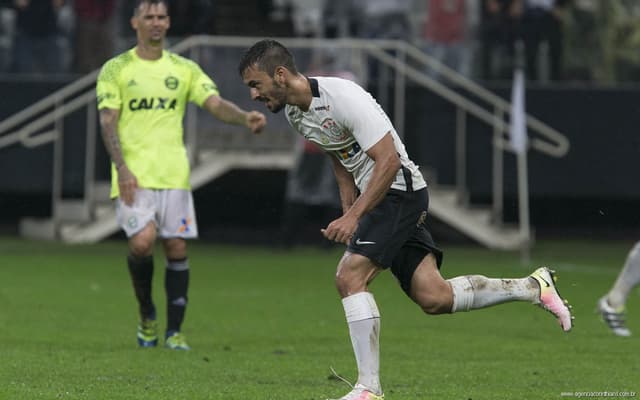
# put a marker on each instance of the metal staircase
(476, 220)
(92, 217)
(102, 224)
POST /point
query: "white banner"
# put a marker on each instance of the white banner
(518, 115)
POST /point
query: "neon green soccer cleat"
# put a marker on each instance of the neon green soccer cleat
(550, 299)
(176, 341)
(148, 333)
(360, 392)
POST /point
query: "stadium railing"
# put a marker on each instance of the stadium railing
(397, 62)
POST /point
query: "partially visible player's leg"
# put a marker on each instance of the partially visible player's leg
(612, 305)
(353, 275)
(628, 278)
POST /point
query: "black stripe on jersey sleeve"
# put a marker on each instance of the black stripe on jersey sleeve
(408, 179)
(315, 91)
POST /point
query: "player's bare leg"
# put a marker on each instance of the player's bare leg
(352, 277)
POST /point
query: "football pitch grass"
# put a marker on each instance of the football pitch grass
(267, 324)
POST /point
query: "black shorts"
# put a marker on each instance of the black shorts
(393, 235)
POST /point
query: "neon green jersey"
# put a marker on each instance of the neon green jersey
(151, 97)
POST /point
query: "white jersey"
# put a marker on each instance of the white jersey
(346, 121)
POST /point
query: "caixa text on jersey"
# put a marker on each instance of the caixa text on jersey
(153, 103)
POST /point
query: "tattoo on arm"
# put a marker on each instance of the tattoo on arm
(109, 123)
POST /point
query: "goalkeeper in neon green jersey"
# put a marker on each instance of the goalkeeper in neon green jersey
(142, 95)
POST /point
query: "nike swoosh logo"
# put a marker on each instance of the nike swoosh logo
(359, 242)
(545, 281)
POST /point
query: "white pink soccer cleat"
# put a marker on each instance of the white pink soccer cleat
(360, 392)
(550, 299)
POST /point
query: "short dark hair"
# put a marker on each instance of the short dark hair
(267, 55)
(138, 3)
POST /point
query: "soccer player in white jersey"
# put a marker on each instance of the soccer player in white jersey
(384, 200)
(142, 96)
(612, 305)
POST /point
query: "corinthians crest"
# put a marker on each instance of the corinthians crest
(330, 127)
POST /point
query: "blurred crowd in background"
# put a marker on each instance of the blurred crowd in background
(589, 41)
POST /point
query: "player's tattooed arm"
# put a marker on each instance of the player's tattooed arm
(127, 182)
(109, 123)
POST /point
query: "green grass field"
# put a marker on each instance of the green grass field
(267, 324)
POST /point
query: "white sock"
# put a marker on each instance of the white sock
(363, 319)
(628, 278)
(477, 291)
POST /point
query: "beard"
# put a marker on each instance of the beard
(276, 107)
(277, 100)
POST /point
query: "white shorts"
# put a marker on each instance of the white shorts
(171, 210)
